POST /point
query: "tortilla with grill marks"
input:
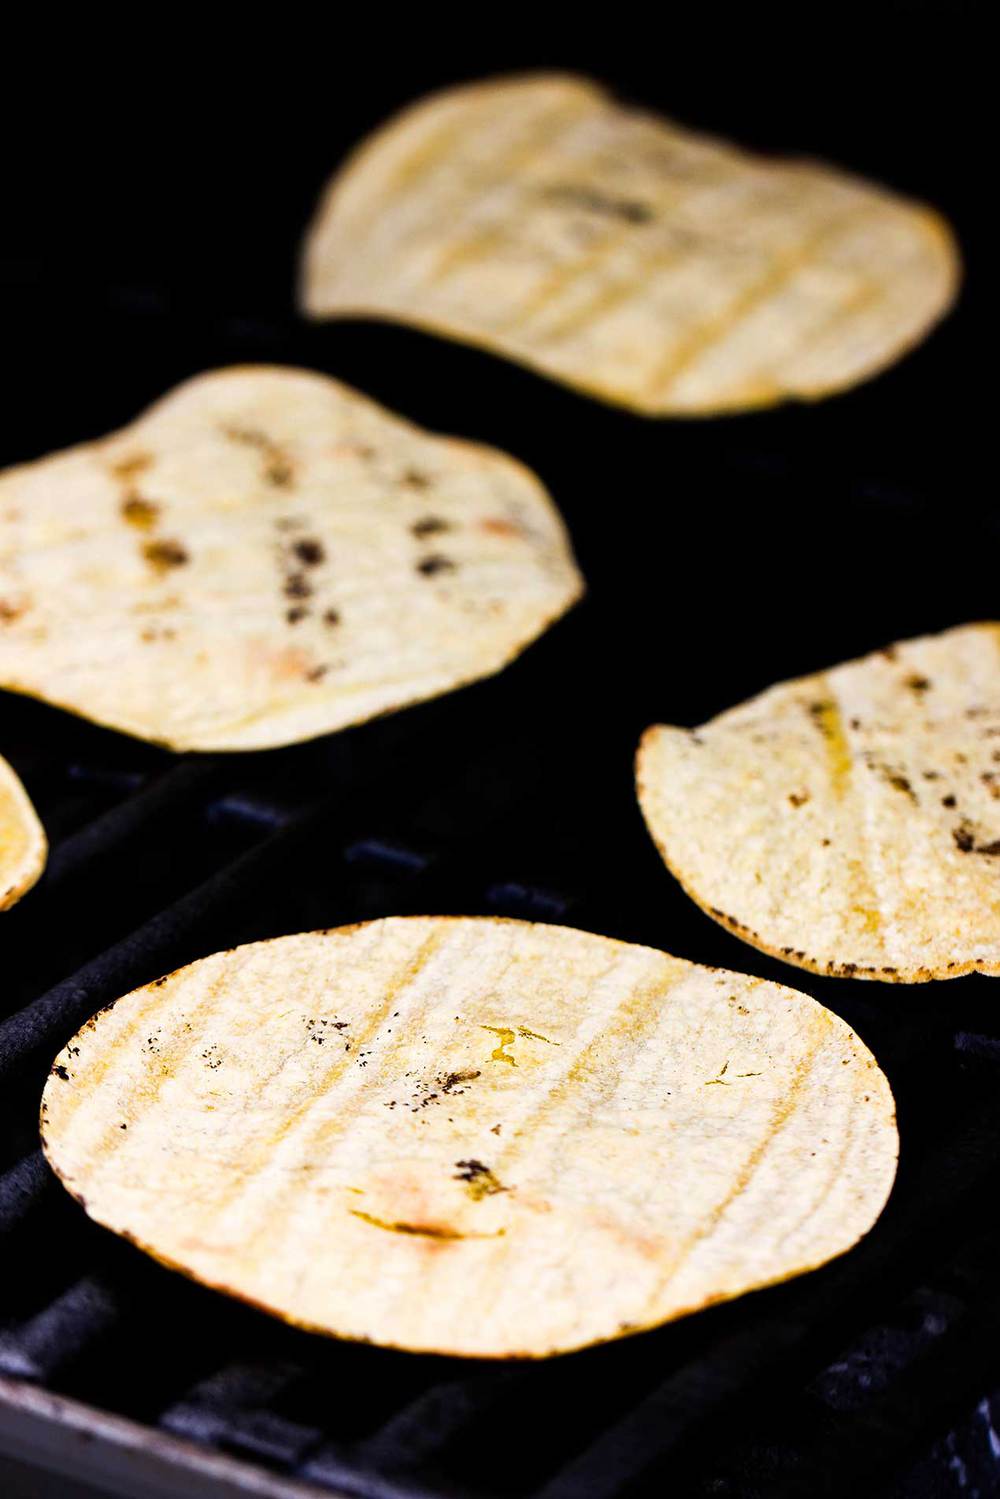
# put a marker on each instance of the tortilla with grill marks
(23, 846)
(266, 556)
(848, 822)
(637, 261)
(475, 1137)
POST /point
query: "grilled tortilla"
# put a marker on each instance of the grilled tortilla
(604, 246)
(23, 848)
(483, 1138)
(265, 556)
(848, 822)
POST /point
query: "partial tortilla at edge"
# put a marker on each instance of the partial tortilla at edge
(846, 822)
(23, 846)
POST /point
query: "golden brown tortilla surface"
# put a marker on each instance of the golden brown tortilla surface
(483, 1138)
(848, 822)
(265, 556)
(613, 250)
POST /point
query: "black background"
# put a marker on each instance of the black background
(158, 183)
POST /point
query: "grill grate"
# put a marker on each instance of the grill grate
(784, 542)
(463, 806)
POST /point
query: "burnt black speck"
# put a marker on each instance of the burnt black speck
(436, 564)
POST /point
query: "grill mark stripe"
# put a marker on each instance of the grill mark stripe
(861, 300)
(492, 1266)
(645, 997)
(98, 1071)
(548, 129)
(833, 1177)
(561, 280)
(788, 264)
(313, 1142)
(872, 894)
(642, 998)
(463, 193)
(653, 255)
(607, 298)
(710, 1222)
(406, 174)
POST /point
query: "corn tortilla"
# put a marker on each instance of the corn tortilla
(640, 262)
(483, 1138)
(23, 847)
(848, 822)
(266, 556)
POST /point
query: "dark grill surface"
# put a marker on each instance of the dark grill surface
(720, 556)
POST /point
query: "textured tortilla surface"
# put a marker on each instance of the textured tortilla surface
(267, 556)
(483, 1138)
(848, 822)
(640, 262)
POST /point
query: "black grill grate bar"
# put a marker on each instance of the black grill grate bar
(652, 1427)
(141, 955)
(860, 1448)
(145, 953)
(969, 1453)
(336, 1470)
(22, 1187)
(426, 1426)
(255, 809)
(218, 1408)
(274, 1439)
(886, 1348)
(167, 794)
(228, 894)
(252, 1433)
(55, 1336)
(241, 1385)
(986, 1048)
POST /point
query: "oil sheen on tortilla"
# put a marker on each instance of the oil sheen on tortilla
(483, 1138)
(640, 262)
(848, 822)
(265, 556)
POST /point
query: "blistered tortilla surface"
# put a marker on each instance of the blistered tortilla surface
(483, 1138)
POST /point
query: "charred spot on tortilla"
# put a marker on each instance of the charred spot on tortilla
(431, 566)
(165, 554)
(140, 513)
